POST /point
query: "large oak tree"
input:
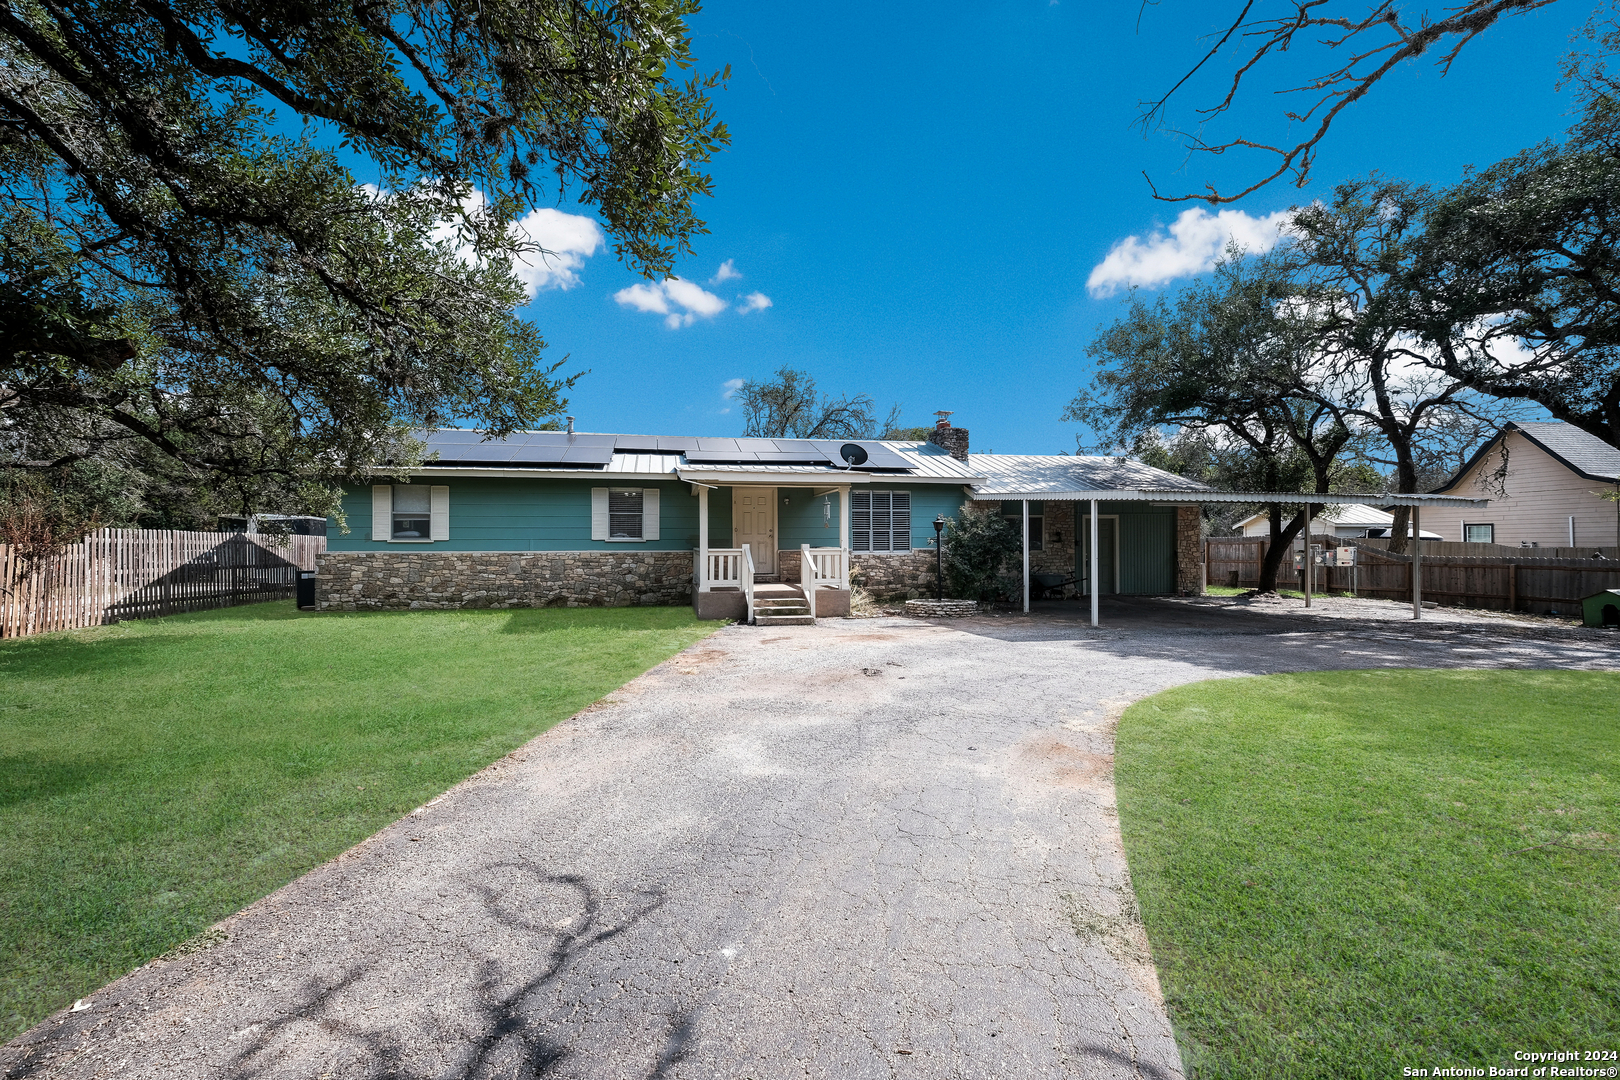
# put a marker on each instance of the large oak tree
(189, 265)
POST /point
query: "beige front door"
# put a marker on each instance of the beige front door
(753, 522)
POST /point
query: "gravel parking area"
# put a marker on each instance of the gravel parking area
(865, 848)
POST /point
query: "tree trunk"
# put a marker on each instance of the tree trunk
(1405, 484)
(1282, 543)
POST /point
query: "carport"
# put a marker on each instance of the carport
(1058, 479)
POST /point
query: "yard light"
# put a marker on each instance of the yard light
(939, 557)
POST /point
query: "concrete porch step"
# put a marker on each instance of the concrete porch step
(762, 619)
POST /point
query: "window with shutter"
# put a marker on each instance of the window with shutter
(624, 514)
(413, 515)
(880, 520)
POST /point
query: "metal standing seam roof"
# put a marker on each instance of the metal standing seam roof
(1036, 474)
(1356, 515)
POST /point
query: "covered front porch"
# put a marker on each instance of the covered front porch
(756, 577)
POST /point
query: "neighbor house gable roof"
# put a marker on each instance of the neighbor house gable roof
(1354, 515)
(1579, 451)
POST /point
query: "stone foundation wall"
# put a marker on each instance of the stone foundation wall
(894, 574)
(1189, 551)
(364, 580)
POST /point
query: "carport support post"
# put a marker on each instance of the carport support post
(1305, 564)
(1026, 556)
(1091, 573)
(1417, 566)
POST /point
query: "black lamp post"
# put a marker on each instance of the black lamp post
(939, 558)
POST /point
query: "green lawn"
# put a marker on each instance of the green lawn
(1347, 873)
(157, 776)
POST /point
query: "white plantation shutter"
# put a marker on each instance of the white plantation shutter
(649, 513)
(382, 512)
(599, 513)
(439, 513)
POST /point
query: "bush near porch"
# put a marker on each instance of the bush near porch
(1348, 873)
(157, 776)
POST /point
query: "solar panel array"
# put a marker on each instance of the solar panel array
(459, 447)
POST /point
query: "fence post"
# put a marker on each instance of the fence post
(1513, 586)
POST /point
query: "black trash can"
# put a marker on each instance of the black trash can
(306, 589)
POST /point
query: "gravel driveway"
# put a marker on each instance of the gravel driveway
(866, 848)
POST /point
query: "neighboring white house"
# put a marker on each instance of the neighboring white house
(1339, 522)
(1549, 495)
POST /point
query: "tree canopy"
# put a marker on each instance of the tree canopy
(788, 406)
(189, 265)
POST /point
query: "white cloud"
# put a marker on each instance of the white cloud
(666, 296)
(727, 271)
(728, 391)
(565, 240)
(1197, 238)
(754, 301)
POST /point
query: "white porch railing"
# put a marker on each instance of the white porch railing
(822, 568)
(722, 567)
(747, 571)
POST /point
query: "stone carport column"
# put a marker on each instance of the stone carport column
(1189, 551)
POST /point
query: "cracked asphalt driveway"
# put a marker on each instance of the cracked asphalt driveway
(874, 848)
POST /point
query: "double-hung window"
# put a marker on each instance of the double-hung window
(410, 513)
(1013, 513)
(625, 508)
(880, 520)
(1479, 534)
(413, 512)
(624, 515)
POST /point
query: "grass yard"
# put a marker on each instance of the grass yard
(1343, 874)
(157, 776)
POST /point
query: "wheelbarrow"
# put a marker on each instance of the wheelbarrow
(1050, 586)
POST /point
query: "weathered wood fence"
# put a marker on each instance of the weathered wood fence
(115, 574)
(1510, 582)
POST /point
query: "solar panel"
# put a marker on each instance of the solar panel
(719, 457)
(636, 444)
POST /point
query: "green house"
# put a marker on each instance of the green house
(736, 527)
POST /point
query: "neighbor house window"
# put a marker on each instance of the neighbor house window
(1479, 534)
(880, 520)
(413, 512)
(625, 514)
(1013, 512)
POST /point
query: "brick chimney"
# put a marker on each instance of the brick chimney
(953, 440)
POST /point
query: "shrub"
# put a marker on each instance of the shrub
(978, 550)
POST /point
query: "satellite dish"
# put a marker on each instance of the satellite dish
(852, 454)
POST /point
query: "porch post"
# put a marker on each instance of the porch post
(1026, 556)
(1417, 566)
(1092, 572)
(844, 540)
(703, 539)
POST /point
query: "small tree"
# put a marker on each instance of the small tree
(789, 407)
(978, 550)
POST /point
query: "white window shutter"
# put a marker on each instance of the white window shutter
(599, 513)
(382, 512)
(438, 513)
(649, 513)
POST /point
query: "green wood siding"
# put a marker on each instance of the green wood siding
(1147, 546)
(532, 514)
(537, 514)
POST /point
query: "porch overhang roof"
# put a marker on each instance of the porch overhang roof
(1196, 496)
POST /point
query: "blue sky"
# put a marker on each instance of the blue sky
(923, 191)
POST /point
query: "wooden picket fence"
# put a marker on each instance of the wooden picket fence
(1504, 582)
(115, 574)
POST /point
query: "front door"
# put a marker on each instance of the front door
(753, 522)
(1107, 554)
